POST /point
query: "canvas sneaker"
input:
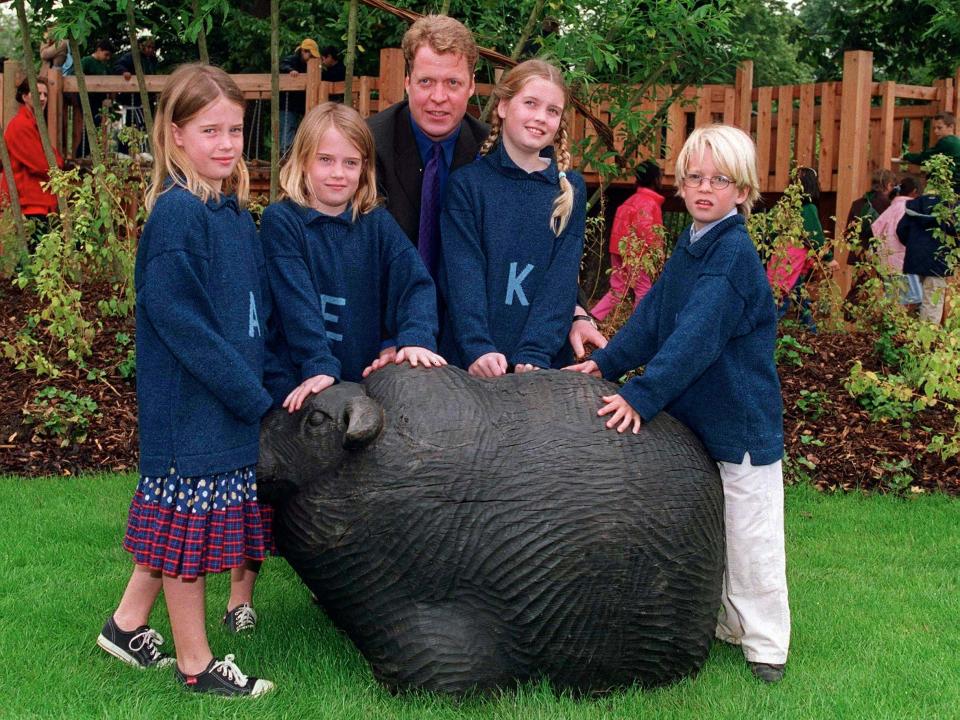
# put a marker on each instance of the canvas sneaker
(138, 647)
(223, 677)
(243, 618)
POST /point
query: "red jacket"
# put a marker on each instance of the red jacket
(639, 214)
(29, 164)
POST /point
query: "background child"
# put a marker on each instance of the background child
(342, 273)
(512, 234)
(633, 233)
(705, 334)
(925, 255)
(788, 272)
(908, 287)
(199, 281)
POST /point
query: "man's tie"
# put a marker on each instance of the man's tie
(428, 238)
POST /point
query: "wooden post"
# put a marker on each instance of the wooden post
(828, 136)
(885, 150)
(784, 132)
(764, 134)
(392, 73)
(805, 129)
(313, 83)
(956, 92)
(852, 179)
(11, 73)
(743, 87)
(55, 108)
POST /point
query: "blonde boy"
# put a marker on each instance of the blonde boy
(705, 333)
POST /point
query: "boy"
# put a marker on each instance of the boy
(944, 128)
(706, 333)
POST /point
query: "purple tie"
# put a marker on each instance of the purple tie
(430, 210)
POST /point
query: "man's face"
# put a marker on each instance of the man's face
(438, 87)
(102, 55)
(941, 129)
(328, 61)
(149, 49)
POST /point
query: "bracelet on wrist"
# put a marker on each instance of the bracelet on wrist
(587, 318)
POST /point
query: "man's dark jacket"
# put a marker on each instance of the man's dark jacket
(399, 167)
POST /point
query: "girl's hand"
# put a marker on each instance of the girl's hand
(387, 356)
(310, 386)
(492, 364)
(416, 355)
(623, 414)
(588, 367)
(524, 367)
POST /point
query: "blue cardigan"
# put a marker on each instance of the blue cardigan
(201, 321)
(339, 288)
(706, 333)
(509, 283)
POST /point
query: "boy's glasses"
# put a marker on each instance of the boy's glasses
(717, 182)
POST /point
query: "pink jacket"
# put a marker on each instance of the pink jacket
(885, 227)
(638, 215)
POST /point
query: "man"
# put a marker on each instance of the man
(293, 104)
(97, 63)
(124, 66)
(333, 69)
(441, 56)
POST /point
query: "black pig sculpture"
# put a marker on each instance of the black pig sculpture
(469, 534)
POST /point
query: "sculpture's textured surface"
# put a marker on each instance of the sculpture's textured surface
(468, 533)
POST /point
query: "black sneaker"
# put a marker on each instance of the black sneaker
(767, 672)
(243, 618)
(223, 677)
(137, 647)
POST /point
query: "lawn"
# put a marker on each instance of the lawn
(875, 594)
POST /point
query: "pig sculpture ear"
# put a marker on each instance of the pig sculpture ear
(364, 419)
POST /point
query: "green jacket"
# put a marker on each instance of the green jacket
(949, 146)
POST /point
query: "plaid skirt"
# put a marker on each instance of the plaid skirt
(191, 526)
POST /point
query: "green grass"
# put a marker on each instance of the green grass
(875, 594)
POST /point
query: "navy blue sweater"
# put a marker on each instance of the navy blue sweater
(339, 287)
(510, 284)
(925, 256)
(201, 322)
(706, 333)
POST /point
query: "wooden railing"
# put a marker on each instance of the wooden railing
(845, 129)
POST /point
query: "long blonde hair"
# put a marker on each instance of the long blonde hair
(734, 154)
(188, 91)
(510, 84)
(294, 180)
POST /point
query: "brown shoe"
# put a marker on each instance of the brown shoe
(767, 672)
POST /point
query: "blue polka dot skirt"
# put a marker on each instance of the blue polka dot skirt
(190, 526)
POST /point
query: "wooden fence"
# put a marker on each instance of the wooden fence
(845, 129)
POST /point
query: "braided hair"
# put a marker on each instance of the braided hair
(510, 85)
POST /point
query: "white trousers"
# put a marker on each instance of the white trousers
(934, 292)
(754, 612)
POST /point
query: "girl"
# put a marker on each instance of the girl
(200, 309)
(512, 234)
(342, 273)
(706, 333)
(27, 162)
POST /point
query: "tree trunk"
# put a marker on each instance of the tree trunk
(351, 55)
(201, 35)
(274, 98)
(445, 7)
(31, 69)
(88, 123)
(138, 68)
(12, 189)
(517, 49)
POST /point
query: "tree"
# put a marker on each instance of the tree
(911, 42)
(766, 32)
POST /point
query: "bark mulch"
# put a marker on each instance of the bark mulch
(844, 449)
